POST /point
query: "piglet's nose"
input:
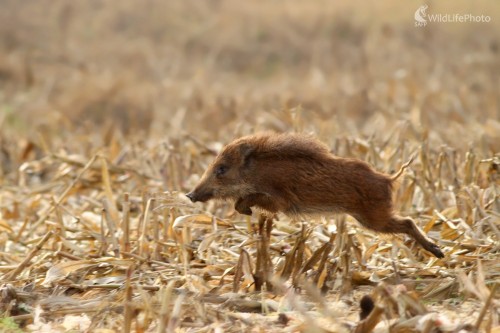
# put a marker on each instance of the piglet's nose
(190, 195)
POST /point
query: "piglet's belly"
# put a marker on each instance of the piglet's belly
(309, 210)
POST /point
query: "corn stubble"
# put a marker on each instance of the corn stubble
(96, 233)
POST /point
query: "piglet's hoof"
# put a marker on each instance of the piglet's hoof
(434, 249)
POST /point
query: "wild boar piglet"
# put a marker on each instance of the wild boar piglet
(297, 175)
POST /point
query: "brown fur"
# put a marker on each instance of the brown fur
(297, 175)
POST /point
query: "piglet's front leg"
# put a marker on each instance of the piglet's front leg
(243, 205)
(261, 200)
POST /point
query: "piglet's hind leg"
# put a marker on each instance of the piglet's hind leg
(399, 224)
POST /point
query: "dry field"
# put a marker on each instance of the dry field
(111, 110)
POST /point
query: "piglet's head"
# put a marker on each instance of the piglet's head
(225, 178)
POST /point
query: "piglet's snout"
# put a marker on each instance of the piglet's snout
(191, 196)
(199, 195)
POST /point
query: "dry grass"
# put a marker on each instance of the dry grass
(109, 111)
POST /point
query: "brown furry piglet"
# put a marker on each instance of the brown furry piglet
(297, 175)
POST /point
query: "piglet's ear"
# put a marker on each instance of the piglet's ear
(246, 151)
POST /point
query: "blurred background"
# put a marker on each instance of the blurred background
(105, 105)
(74, 71)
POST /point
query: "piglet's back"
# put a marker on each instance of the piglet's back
(284, 146)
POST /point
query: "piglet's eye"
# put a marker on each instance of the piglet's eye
(220, 170)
